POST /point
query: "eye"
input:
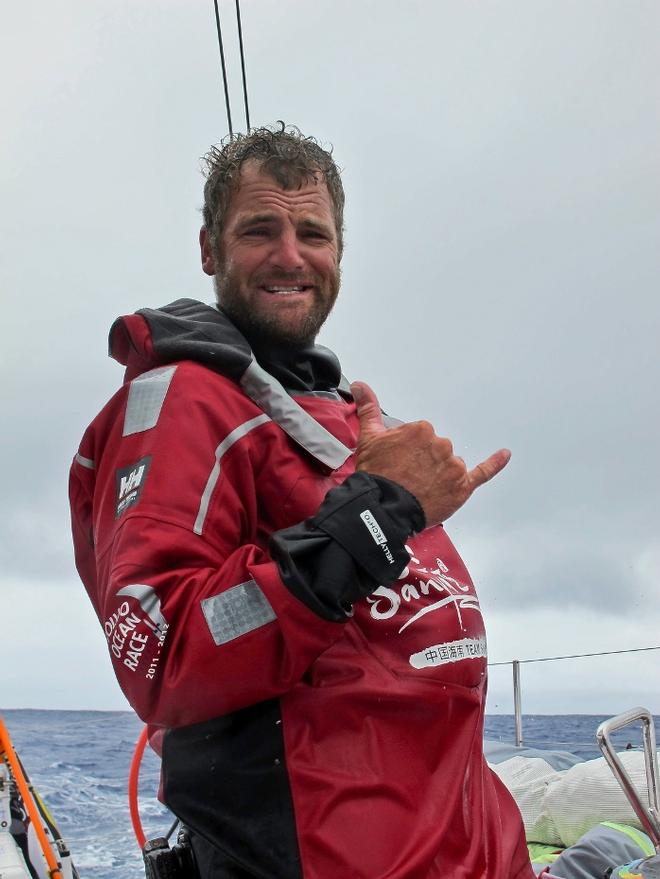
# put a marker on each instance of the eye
(256, 232)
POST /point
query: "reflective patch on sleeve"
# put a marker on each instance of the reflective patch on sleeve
(236, 612)
(145, 399)
(85, 462)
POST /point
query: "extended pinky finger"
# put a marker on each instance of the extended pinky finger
(489, 468)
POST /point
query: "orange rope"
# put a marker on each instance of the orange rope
(7, 753)
(133, 779)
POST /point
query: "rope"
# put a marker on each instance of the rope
(576, 656)
(133, 791)
(224, 69)
(224, 66)
(133, 784)
(173, 827)
(8, 754)
(240, 43)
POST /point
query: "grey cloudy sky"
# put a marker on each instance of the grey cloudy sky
(501, 279)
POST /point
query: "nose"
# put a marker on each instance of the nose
(286, 252)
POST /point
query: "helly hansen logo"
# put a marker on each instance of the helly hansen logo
(373, 526)
(130, 483)
(377, 533)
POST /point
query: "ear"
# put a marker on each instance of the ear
(208, 262)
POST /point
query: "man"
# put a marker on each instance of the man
(267, 561)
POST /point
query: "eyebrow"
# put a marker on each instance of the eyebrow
(249, 219)
(305, 222)
(317, 225)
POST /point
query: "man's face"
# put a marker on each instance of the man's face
(276, 266)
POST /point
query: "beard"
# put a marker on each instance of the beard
(276, 326)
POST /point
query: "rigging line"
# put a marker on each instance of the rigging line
(240, 43)
(578, 655)
(224, 69)
(172, 828)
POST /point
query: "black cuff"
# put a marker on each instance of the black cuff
(371, 518)
(331, 560)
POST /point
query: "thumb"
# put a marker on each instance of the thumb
(368, 409)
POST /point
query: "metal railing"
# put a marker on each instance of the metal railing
(517, 692)
(648, 815)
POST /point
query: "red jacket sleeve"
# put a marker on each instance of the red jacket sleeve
(198, 621)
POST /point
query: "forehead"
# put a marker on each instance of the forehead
(258, 192)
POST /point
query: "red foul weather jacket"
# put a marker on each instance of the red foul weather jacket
(316, 656)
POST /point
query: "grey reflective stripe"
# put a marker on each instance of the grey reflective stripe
(237, 611)
(344, 386)
(145, 399)
(226, 444)
(325, 395)
(85, 462)
(270, 396)
(148, 599)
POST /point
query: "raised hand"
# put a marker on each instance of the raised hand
(412, 455)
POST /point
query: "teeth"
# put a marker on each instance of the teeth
(284, 289)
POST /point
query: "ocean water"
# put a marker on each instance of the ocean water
(79, 762)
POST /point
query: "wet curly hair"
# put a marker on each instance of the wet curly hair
(284, 153)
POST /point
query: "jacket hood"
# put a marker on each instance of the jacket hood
(190, 330)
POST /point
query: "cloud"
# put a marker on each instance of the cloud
(54, 650)
(601, 684)
(553, 565)
(500, 276)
